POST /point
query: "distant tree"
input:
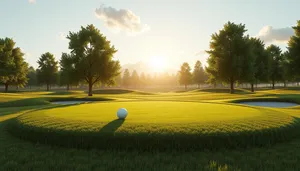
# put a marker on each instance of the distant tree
(47, 70)
(135, 80)
(32, 77)
(93, 56)
(276, 70)
(185, 75)
(287, 71)
(118, 80)
(261, 65)
(13, 68)
(294, 52)
(229, 55)
(126, 78)
(143, 79)
(68, 75)
(199, 76)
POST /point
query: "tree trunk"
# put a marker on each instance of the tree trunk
(6, 87)
(273, 84)
(47, 87)
(68, 87)
(198, 86)
(252, 87)
(298, 84)
(90, 89)
(185, 86)
(231, 86)
(284, 84)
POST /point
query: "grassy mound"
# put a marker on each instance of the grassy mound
(156, 125)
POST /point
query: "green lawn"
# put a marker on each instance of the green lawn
(19, 154)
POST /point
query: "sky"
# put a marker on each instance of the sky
(161, 33)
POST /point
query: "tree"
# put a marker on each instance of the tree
(185, 75)
(294, 51)
(143, 79)
(68, 75)
(199, 76)
(276, 69)
(13, 68)
(47, 70)
(126, 78)
(261, 65)
(134, 79)
(32, 77)
(230, 55)
(93, 56)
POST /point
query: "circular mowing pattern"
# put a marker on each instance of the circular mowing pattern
(156, 125)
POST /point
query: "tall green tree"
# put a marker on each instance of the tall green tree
(48, 70)
(230, 55)
(199, 76)
(261, 65)
(68, 74)
(13, 68)
(32, 77)
(294, 51)
(276, 70)
(185, 75)
(126, 78)
(93, 56)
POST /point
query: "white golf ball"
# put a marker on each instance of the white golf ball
(122, 113)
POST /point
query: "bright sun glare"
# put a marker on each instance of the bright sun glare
(157, 63)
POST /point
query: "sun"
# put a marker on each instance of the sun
(157, 64)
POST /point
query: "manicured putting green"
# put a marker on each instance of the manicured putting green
(155, 112)
(155, 125)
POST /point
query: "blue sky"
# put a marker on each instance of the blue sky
(160, 31)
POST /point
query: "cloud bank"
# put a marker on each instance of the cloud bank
(121, 19)
(270, 34)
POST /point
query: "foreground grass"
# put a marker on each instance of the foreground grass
(21, 155)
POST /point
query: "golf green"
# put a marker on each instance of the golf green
(155, 125)
(155, 112)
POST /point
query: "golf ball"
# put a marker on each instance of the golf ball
(122, 113)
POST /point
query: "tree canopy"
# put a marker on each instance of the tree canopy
(199, 76)
(47, 70)
(93, 56)
(276, 69)
(185, 75)
(13, 68)
(68, 74)
(230, 57)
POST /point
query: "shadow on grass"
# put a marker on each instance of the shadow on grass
(111, 127)
(25, 102)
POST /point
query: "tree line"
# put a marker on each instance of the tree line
(234, 58)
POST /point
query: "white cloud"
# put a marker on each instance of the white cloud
(32, 1)
(280, 35)
(121, 19)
